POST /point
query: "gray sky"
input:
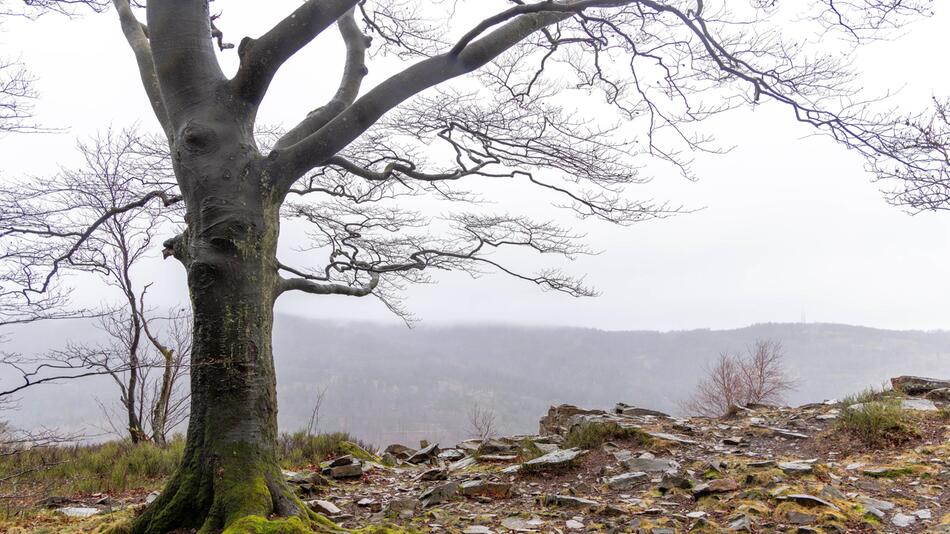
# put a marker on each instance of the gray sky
(790, 225)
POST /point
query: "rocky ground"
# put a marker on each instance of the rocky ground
(763, 469)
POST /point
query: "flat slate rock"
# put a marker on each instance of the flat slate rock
(807, 500)
(651, 465)
(627, 480)
(439, 494)
(796, 467)
(568, 501)
(424, 455)
(555, 459)
(79, 512)
(671, 437)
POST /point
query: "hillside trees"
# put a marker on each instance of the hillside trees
(541, 72)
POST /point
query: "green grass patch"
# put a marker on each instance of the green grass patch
(594, 435)
(117, 467)
(876, 418)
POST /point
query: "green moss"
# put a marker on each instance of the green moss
(261, 525)
(295, 525)
(890, 472)
(354, 450)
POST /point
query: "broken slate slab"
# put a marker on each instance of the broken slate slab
(627, 480)
(671, 437)
(485, 488)
(903, 520)
(425, 454)
(651, 465)
(808, 501)
(626, 409)
(516, 524)
(326, 508)
(876, 503)
(439, 494)
(719, 485)
(919, 405)
(346, 471)
(554, 459)
(785, 433)
(79, 512)
(568, 501)
(796, 467)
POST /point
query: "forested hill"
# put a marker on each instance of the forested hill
(389, 383)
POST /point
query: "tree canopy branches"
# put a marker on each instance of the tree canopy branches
(660, 68)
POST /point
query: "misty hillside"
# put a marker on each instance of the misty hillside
(391, 384)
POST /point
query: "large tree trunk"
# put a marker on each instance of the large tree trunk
(229, 471)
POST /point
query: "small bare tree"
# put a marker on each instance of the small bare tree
(758, 376)
(314, 423)
(121, 169)
(481, 422)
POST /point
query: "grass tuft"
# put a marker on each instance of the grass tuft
(879, 421)
(594, 435)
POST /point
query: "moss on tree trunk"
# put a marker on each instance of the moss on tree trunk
(229, 470)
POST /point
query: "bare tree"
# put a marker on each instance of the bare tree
(313, 424)
(765, 380)
(481, 422)
(661, 68)
(120, 169)
(758, 376)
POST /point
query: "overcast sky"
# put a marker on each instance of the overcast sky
(790, 229)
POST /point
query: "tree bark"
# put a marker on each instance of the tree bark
(229, 471)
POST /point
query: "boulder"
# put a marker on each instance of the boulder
(918, 385)
(561, 420)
